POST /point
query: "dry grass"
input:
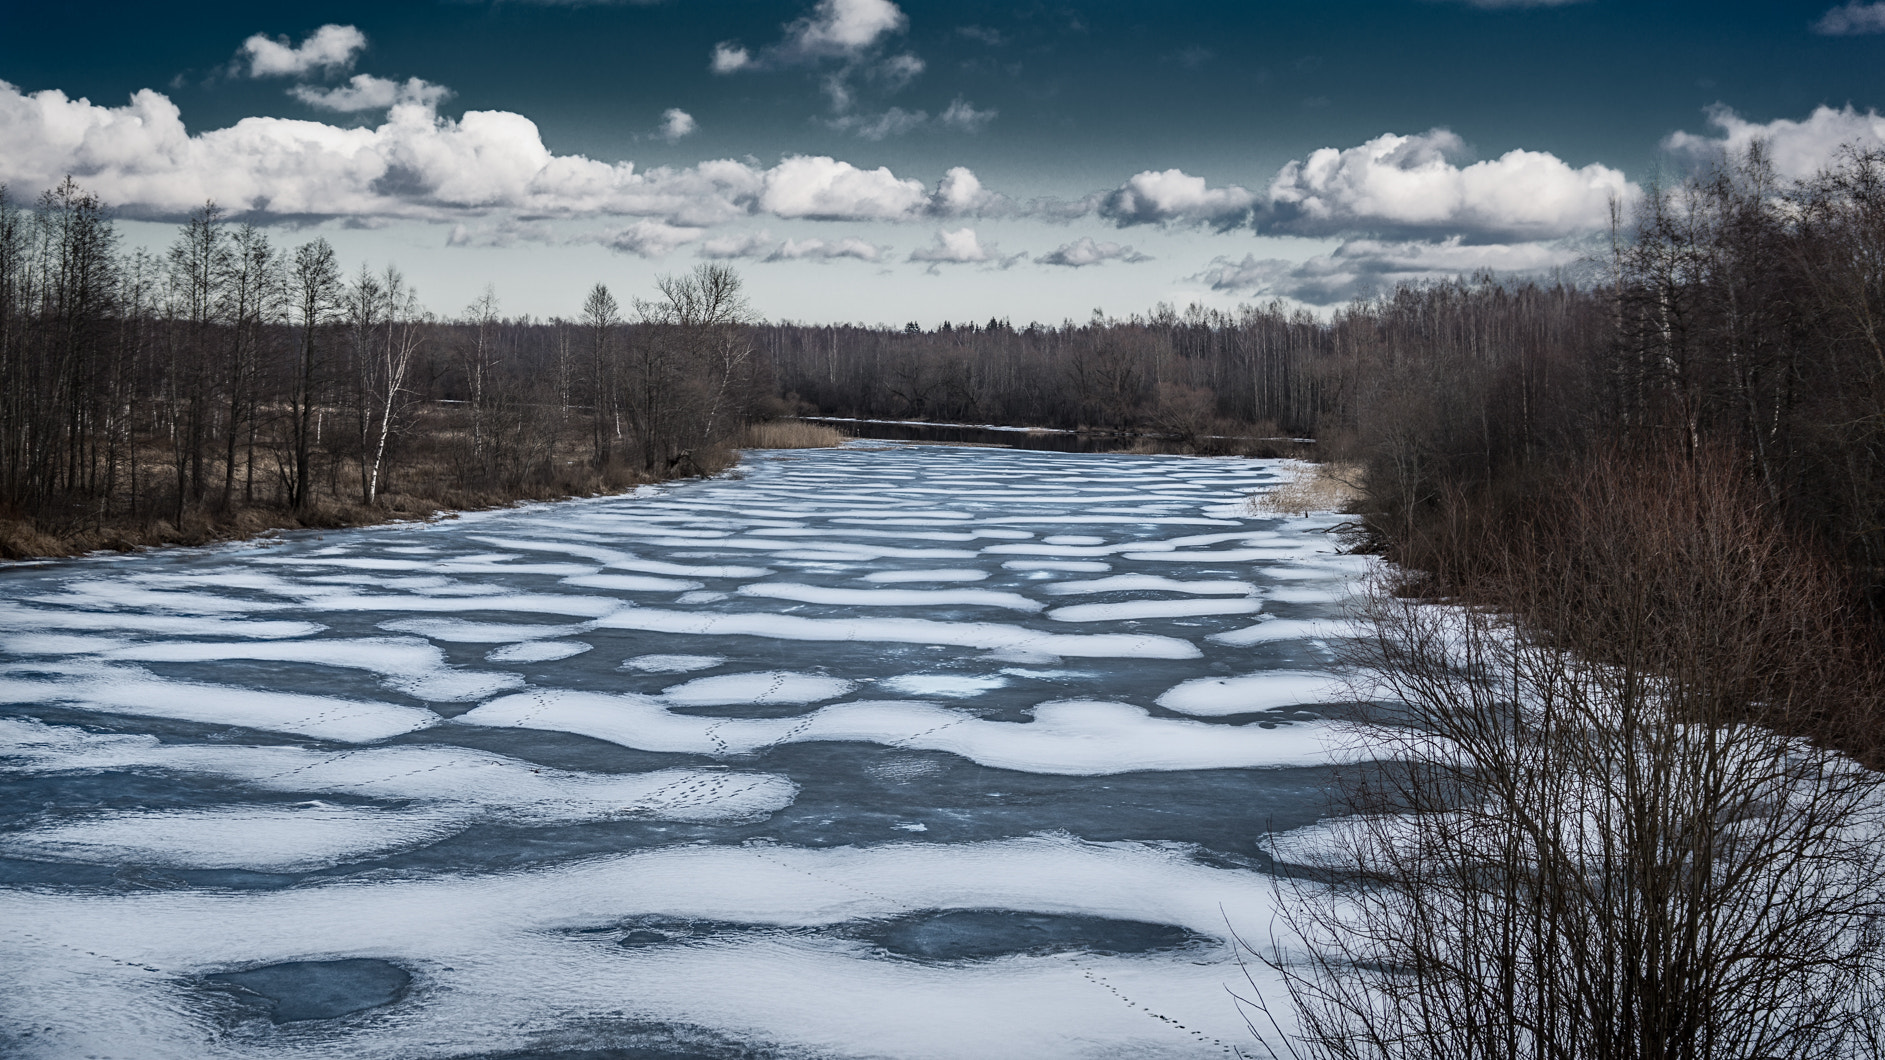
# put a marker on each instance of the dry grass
(791, 434)
(1312, 488)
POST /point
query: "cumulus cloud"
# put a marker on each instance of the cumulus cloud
(1797, 149)
(419, 165)
(960, 247)
(1363, 268)
(826, 189)
(676, 123)
(1852, 20)
(961, 114)
(960, 193)
(1175, 196)
(836, 29)
(1084, 251)
(332, 47)
(1409, 185)
(366, 92)
(729, 57)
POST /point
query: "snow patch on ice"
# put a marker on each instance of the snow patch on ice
(821, 594)
(537, 651)
(1216, 696)
(672, 664)
(950, 686)
(772, 687)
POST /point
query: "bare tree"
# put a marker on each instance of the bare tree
(316, 289)
(600, 318)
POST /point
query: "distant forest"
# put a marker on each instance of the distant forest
(156, 397)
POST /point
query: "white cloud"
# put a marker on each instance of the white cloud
(1084, 251)
(419, 165)
(1175, 196)
(1851, 20)
(676, 123)
(1362, 268)
(823, 188)
(1797, 149)
(962, 115)
(826, 250)
(843, 27)
(738, 245)
(836, 29)
(729, 57)
(760, 245)
(849, 33)
(960, 192)
(332, 47)
(958, 247)
(652, 239)
(366, 92)
(1408, 184)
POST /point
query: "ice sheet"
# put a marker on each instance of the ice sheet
(884, 691)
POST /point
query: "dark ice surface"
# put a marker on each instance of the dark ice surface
(320, 990)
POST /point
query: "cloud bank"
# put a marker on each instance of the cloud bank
(1797, 149)
(419, 165)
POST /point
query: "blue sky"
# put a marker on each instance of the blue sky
(879, 161)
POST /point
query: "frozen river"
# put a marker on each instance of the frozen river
(901, 751)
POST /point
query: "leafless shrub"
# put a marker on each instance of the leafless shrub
(1586, 835)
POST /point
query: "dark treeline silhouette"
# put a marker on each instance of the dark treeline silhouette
(229, 385)
(1191, 375)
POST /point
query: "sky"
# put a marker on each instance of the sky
(883, 161)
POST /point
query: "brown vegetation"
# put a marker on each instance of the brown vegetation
(791, 434)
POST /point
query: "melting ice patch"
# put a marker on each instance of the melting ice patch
(1071, 737)
(1206, 696)
(132, 691)
(820, 594)
(903, 630)
(1139, 609)
(537, 651)
(772, 687)
(468, 782)
(892, 577)
(949, 686)
(673, 664)
(459, 631)
(410, 666)
(260, 838)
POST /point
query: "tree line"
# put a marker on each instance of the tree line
(229, 383)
